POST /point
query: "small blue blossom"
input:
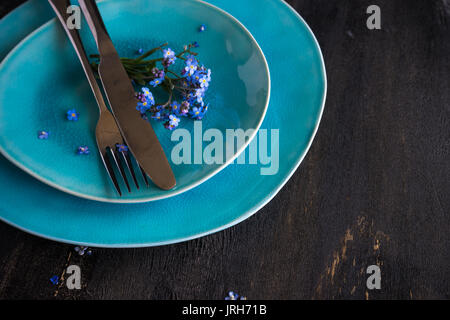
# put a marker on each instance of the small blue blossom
(175, 107)
(196, 77)
(202, 28)
(157, 115)
(191, 66)
(151, 100)
(168, 53)
(168, 61)
(191, 59)
(200, 92)
(121, 147)
(82, 250)
(172, 123)
(234, 296)
(140, 51)
(43, 135)
(54, 280)
(195, 44)
(146, 91)
(195, 112)
(143, 107)
(204, 82)
(174, 120)
(156, 82)
(83, 150)
(72, 115)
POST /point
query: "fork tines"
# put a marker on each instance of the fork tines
(119, 159)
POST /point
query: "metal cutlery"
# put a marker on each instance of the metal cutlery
(107, 132)
(137, 133)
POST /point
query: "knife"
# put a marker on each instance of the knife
(137, 133)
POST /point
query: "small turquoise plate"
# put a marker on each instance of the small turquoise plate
(236, 193)
(42, 78)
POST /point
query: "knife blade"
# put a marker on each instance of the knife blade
(137, 133)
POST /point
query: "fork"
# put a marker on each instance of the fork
(107, 132)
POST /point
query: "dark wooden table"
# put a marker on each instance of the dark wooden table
(374, 188)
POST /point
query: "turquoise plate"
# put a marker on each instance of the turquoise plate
(237, 192)
(43, 77)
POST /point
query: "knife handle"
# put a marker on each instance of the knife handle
(60, 8)
(97, 26)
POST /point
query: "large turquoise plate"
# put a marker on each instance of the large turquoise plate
(237, 192)
(42, 75)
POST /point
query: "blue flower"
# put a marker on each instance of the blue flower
(148, 97)
(191, 66)
(140, 51)
(195, 44)
(198, 112)
(121, 147)
(151, 100)
(83, 150)
(200, 92)
(195, 112)
(172, 122)
(43, 135)
(72, 115)
(157, 115)
(204, 82)
(168, 53)
(146, 91)
(191, 58)
(54, 280)
(82, 250)
(156, 82)
(143, 107)
(196, 77)
(202, 28)
(234, 296)
(175, 107)
(168, 61)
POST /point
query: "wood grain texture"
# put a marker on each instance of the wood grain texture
(373, 189)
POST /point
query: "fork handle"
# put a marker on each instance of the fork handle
(60, 8)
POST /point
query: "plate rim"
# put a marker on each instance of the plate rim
(245, 215)
(168, 194)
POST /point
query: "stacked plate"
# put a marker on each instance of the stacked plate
(40, 77)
